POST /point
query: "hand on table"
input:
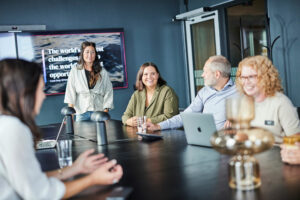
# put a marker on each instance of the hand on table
(152, 127)
(132, 121)
(227, 124)
(87, 163)
(290, 154)
(108, 173)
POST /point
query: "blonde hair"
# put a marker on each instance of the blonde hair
(268, 79)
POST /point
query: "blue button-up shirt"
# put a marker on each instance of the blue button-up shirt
(208, 100)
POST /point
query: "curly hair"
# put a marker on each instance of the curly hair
(267, 75)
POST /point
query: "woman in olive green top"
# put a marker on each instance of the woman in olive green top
(153, 98)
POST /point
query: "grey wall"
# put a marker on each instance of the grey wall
(149, 36)
(284, 21)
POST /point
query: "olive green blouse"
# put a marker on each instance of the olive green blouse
(163, 105)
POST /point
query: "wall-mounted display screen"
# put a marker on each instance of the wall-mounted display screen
(58, 52)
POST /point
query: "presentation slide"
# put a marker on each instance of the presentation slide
(58, 52)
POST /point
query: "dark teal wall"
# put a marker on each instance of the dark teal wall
(285, 21)
(150, 35)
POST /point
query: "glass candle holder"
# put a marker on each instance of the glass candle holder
(240, 111)
(242, 141)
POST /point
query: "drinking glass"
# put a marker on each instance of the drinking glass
(291, 141)
(64, 152)
(141, 124)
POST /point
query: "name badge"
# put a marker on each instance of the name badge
(269, 122)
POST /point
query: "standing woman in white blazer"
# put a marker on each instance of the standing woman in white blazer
(89, 88)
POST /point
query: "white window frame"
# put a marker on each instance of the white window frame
(190, 18)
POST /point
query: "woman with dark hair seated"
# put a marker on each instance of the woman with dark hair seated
(21, 176)
(153, 98)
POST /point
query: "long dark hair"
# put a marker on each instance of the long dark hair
(96, 68)
(139, 85)
(18, 84)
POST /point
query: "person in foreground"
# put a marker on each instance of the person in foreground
(257, 77)
(89, 88)
(21, 97)
(211, 98)
(153, 98)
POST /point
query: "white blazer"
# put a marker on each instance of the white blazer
(85, 99)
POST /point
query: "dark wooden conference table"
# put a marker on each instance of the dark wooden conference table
(170, 168)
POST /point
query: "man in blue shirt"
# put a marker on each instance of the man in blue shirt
(211, 98)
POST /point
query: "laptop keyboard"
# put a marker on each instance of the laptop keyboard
(46, 144)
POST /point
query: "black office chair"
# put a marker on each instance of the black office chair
(298, 110)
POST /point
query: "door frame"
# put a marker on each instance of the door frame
(202, 16)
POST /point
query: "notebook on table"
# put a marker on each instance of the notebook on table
(198, 128)
(47, 144)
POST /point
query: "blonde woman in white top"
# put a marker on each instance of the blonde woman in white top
(257, 77)
(21, 177)
(89, 88)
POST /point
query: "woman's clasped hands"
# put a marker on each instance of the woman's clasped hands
(101, 170)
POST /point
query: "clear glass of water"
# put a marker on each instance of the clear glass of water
(64, 153)
(141, 124)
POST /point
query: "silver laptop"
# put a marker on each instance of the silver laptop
(48, 144)
(198, 128)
